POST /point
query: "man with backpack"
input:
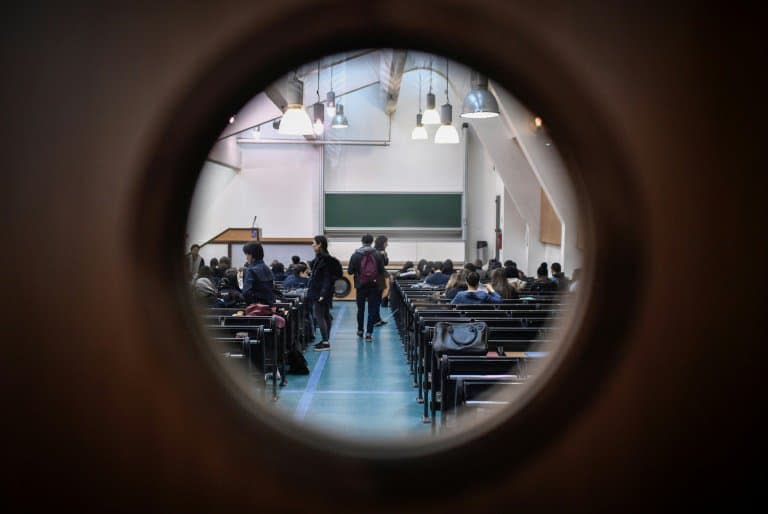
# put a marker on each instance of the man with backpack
(367, 266)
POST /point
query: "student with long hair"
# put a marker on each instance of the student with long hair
(502, 286)
(320, 291)
(456, 284)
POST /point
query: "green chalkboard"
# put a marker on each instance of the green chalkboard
(393, 210)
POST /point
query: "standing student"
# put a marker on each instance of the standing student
(380, 245)
(320, 290)
(367, 266)
(257, 277)
(194, 262)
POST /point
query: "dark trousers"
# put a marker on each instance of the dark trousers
(322, 311)
(372, 295)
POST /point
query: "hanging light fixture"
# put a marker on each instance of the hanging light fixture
(330, 98)
(479, 102)
(431, 117)
(419, 132)
(447, 133)
(340, 120)
(295, 120)
(318, 109)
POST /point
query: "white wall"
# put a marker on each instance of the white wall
(514, 242)
(280, 185)
(404, 165)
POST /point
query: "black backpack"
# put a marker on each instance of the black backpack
(335, 269)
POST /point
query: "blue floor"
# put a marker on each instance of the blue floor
(357, 389)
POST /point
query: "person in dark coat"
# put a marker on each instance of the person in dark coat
(257, 279)
(543, 282)
(320, 291)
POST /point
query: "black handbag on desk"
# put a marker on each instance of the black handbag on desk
(465, 338)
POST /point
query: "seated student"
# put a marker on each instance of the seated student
(257, 277)
(502, 286)
(559, 277)
(295, 259)
(441, 276)
(205, 293)
(473, 295)
(421, 269)
(575, 280)
(456, 284)
(480, 271)
(407, 271)
(298, 279)
(229, 290)
(542, 282)
(278, 271)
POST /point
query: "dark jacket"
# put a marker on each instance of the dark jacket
(561, 280)
(257, 284)
(354, 266)
(438, 279)
(543, 284)
(452, 292)
(320, 282)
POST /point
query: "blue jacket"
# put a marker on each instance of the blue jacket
(257, 284)
(474, 297)
(294, 282)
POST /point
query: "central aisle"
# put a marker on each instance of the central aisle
(359, 389)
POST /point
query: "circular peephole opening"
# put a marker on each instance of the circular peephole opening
(385, 247)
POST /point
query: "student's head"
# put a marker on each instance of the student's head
(381, 243)
(214, 262)
(230, 276)
(194, 250)
(499, 278)
(300, 270)
(478, 263)
(509, 263)
(295, 259)
(408, 265)
(542, 271)
(469, 266)
(253, 252)
(225, 262)
(422, 264)
(511, 271)
(320, 244)
(452, 280)
(367, 240)
(205, 272)
(473, 279)
(278, 267)
(447, 266)
(556, 268)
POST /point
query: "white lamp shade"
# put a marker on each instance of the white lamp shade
(340, 120)
(431, 117)
(319, 128)
(446, 134)
(296, 122)
(419, 133)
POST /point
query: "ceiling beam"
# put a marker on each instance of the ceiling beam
(391, 69)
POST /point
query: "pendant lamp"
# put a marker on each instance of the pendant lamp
(479, 102)
(340, 120)
(431, 117)
(330, 98)
(295, 120)
(447, 133)
(318, 109)
(419, 132)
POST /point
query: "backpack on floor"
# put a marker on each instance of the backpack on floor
(297, 364)
(369, 269)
